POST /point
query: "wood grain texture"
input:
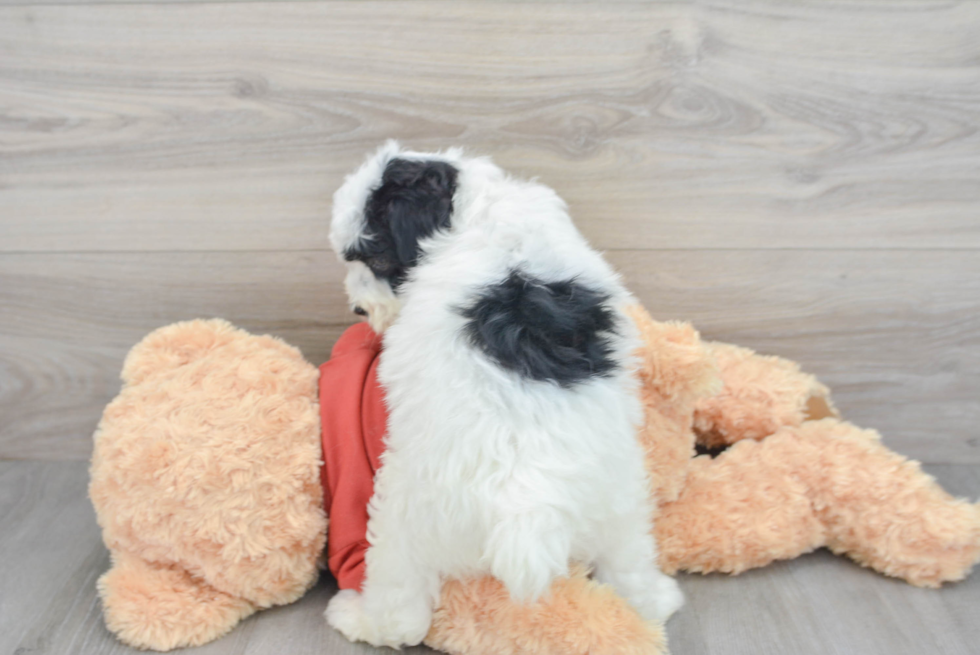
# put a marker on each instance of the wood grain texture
(53, 554)
(896, 335)
(800, 178)
(69, 320)
(816, 605)
(226, 126)
(824, 604)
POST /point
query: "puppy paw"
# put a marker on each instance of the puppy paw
(384, 626)
(345, 614)
(661, 600)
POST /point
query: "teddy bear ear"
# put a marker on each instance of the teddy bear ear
(172, 346)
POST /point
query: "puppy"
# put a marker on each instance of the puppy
(513, 406)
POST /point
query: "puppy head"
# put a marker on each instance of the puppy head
(381, 215)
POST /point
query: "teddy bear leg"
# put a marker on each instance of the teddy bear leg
(740, 510)
(162, 607)
(882, 510)
(760, 395)
(579, 616)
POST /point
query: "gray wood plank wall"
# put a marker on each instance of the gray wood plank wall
(800, 178)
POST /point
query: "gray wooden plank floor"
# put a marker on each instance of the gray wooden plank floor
(816, 605)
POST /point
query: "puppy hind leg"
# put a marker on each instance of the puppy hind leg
(395, 605)
(628, 562)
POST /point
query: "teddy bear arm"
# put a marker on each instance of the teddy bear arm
(162, 607)
(675, 369)
(760, 394)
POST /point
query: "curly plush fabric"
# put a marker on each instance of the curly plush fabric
(763, 394)
(206, 483)
(206, 478)
(795, 477)
(823, 483)
(579, 617)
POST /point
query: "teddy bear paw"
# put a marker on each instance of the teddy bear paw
(393, 627)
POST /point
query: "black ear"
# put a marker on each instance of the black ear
(414, 200)
(549, 331)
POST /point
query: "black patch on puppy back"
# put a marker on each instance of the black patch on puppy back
(414, 200)
(548, 331)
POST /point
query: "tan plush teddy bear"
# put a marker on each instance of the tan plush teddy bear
(206, 479)
(795, 477)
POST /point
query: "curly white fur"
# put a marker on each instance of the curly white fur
(486, 471)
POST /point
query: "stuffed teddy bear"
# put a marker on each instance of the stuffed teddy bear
(210, 476)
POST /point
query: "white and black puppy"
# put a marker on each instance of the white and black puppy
(510, 385)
